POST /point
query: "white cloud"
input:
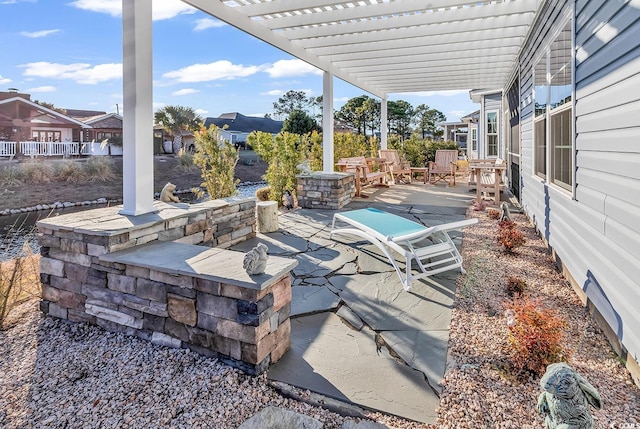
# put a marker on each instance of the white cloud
(165, 9)
(218, 70)
(78, 72)
(185, 91)
(47, 88)
(455, 115)
(291, 68)
(440, 93)
(38, 34)
(158, 106)
(206, 23)
(201, 112)
(4, 80)
(273, 92)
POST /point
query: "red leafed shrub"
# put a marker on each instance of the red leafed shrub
(535, 335)
(479, 206)
(493, 214)
(509, 235)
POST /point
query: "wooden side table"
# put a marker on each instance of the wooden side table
(421, 170)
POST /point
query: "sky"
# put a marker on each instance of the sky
(69, 53)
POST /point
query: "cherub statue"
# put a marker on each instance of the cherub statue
(255, 261)
(566, 398)
(304, 167)
(167, 193)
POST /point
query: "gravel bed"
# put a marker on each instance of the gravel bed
(59, 374)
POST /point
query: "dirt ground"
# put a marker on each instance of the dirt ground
(166, 169)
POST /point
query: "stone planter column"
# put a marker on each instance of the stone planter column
(325, 190)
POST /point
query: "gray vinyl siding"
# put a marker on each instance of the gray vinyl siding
(595, 231)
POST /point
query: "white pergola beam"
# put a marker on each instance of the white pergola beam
(242, 22)
(307, 39)
(445, 47)
(397, 14)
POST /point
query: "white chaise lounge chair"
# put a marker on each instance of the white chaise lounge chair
(431, 247)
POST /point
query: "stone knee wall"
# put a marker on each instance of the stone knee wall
(325, 190)
(246, 327)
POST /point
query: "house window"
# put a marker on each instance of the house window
(46, 136)
(540, 121)
(492, 133)
(474, 139)
(111, 137)
(553, 123)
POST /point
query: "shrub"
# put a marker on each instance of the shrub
(217, 159)
(535, 335)
(509, 235)
(19, 281)
(99, 169)
(10, 175)
(479, 206)
(282, 154)
(185, 160)
(70, 171)
(516, 286)
(35, 172)
(493, 214)
(262, 194)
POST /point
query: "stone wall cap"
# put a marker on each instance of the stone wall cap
(108, 221)
(321, 175)
(208, 263)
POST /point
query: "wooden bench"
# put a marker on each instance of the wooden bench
(362, 167)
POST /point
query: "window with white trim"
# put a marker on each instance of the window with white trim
(553, 121)
(474, 139)
(492, 133)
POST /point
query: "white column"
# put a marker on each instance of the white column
(327, 122)
(137, 144)
(383, 123)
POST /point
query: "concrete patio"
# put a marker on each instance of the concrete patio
(356, 335)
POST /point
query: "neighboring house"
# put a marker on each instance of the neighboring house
(568, 123)
(105, 132)
(471, 120)
(27, 128)
(236, 127)
(456, 132)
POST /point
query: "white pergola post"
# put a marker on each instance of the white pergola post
(137, 147)
(383, 122)
(327, 122)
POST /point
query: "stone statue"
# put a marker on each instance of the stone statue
(304, 167)
(255, 261)
(566, 398)
(167, 193)
(505, 214)
(287, 200)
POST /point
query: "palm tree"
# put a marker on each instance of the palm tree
(175, 119)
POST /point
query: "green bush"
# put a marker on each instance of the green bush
(419, 151)
(282, 154)
(217, 159)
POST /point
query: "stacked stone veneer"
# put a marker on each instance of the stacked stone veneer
(325, 190)
(146, 276)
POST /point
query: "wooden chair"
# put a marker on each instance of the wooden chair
(363, 169)
(444, 166)
(399, 170)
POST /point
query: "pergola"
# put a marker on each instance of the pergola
(380, 46)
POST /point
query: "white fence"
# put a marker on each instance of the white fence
(53, 148)
(7, 148)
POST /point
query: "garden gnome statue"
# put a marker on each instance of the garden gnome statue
(566, 398)
(255, 261)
